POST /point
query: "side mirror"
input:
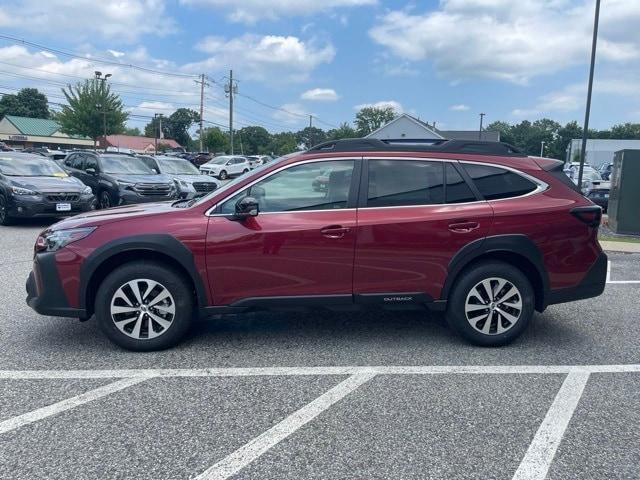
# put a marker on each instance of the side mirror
(246, 207)
(91, 171)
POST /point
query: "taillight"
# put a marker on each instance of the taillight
(591, 215)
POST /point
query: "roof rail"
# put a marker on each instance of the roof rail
(478, 147)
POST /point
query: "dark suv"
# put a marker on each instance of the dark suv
(33, 186)
(477, 230)
(119, 179)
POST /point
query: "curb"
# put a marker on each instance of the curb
(624, 247)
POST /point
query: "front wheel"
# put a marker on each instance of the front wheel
(491, 304)
(105, 200)
(144, 306)
(223, 175)
(245, 170)
(5, 219)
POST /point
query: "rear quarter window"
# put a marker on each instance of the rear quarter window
(495, 183)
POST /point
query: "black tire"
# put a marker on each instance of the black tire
(105, 200)
(5, 218)
(470, 278)
(245, 170)
(181, 297)
(223, 175)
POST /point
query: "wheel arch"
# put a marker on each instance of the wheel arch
(517, 250)
(160, 248)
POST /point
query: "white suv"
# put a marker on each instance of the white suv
(226, 166)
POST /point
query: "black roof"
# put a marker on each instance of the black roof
(477, 147)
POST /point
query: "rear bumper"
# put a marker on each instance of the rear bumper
(592, 285)
(44, 290)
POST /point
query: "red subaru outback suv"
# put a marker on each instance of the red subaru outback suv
(474, 229)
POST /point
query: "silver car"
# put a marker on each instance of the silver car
(190, 183)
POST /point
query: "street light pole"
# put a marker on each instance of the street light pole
(542, 148)
(480, 131)
(585, 130)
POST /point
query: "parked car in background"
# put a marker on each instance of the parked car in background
(589, 175)
(599, 195)
(190, 183)
(226, 166)
(257, 160)
(201, 158)
(477, 230)
(120, 179)
(606, 170)
(32, 186)
(58, 156)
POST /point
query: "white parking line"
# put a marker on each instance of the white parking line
(329, 370)
(69, 403)
(236, 461)
(620, 282)
(540, 453)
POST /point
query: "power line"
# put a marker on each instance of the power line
(96, 59)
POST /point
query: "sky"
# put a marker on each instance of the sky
(442, 61)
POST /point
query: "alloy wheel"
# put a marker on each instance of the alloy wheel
(493, 306)
(3, 209)
(223, 175)
(105, 200)
(143, 309)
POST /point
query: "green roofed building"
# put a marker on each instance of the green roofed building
(25, 132)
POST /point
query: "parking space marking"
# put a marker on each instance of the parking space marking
(620, 282)
(69, 403)
(236, 461)
(303, 371)
(542, 449)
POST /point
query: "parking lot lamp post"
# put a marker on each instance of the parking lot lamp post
(542, 148)
(480, 130)
(585, 130)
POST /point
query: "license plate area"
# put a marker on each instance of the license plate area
(63, 207)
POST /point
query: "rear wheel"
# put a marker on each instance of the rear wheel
(491, 304)
(144, 306)
(223, 175)
(5, 219)
(245, 170)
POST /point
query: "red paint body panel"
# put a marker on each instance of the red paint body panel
(280, 254)
(408, 249)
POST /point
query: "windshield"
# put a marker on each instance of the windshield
(177, 167)
(220, 160)
(30, 167)
(125, 164)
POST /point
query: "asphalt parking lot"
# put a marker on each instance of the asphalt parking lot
(322, 395)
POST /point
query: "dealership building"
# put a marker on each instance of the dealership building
(24, 132)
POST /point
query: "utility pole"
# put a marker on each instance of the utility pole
(158, 132)
(542, 148)
(585, 130)
(231, 89)
(310, 121)
(102, 108)
(202, 83)
(480, 131)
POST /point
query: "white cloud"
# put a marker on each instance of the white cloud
(320, 95)
(269, 57)
(250, 11)
(459, 108)
(123, 21)
(382, 104)
(116, 53)
(509, 40)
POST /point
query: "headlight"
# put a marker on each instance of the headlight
(50, 241)
(87, 191)
(23, 191)
(181, 183)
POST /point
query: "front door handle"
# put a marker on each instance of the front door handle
(463, 227)
(334, 231)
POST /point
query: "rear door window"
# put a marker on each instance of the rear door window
(495, 183)
(405, 182)
(457, 190)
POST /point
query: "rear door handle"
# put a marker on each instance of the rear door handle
(463, 227)
(334, 231)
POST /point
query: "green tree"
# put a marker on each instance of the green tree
(255, 140)
(180, 122)
(91, 107)
(558, 148)
(134, 131)
(283, 143)
(151, 129)
(369, 119)
(311, 136)
(344, 130)
(28, 102)
(626, 131)
(215, 140)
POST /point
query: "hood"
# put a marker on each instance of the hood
(48, 184)
(152, 178)
(195, 178)
(99, 217)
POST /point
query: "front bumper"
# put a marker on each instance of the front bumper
(44, 290)
(592, 285)
(40, 206)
